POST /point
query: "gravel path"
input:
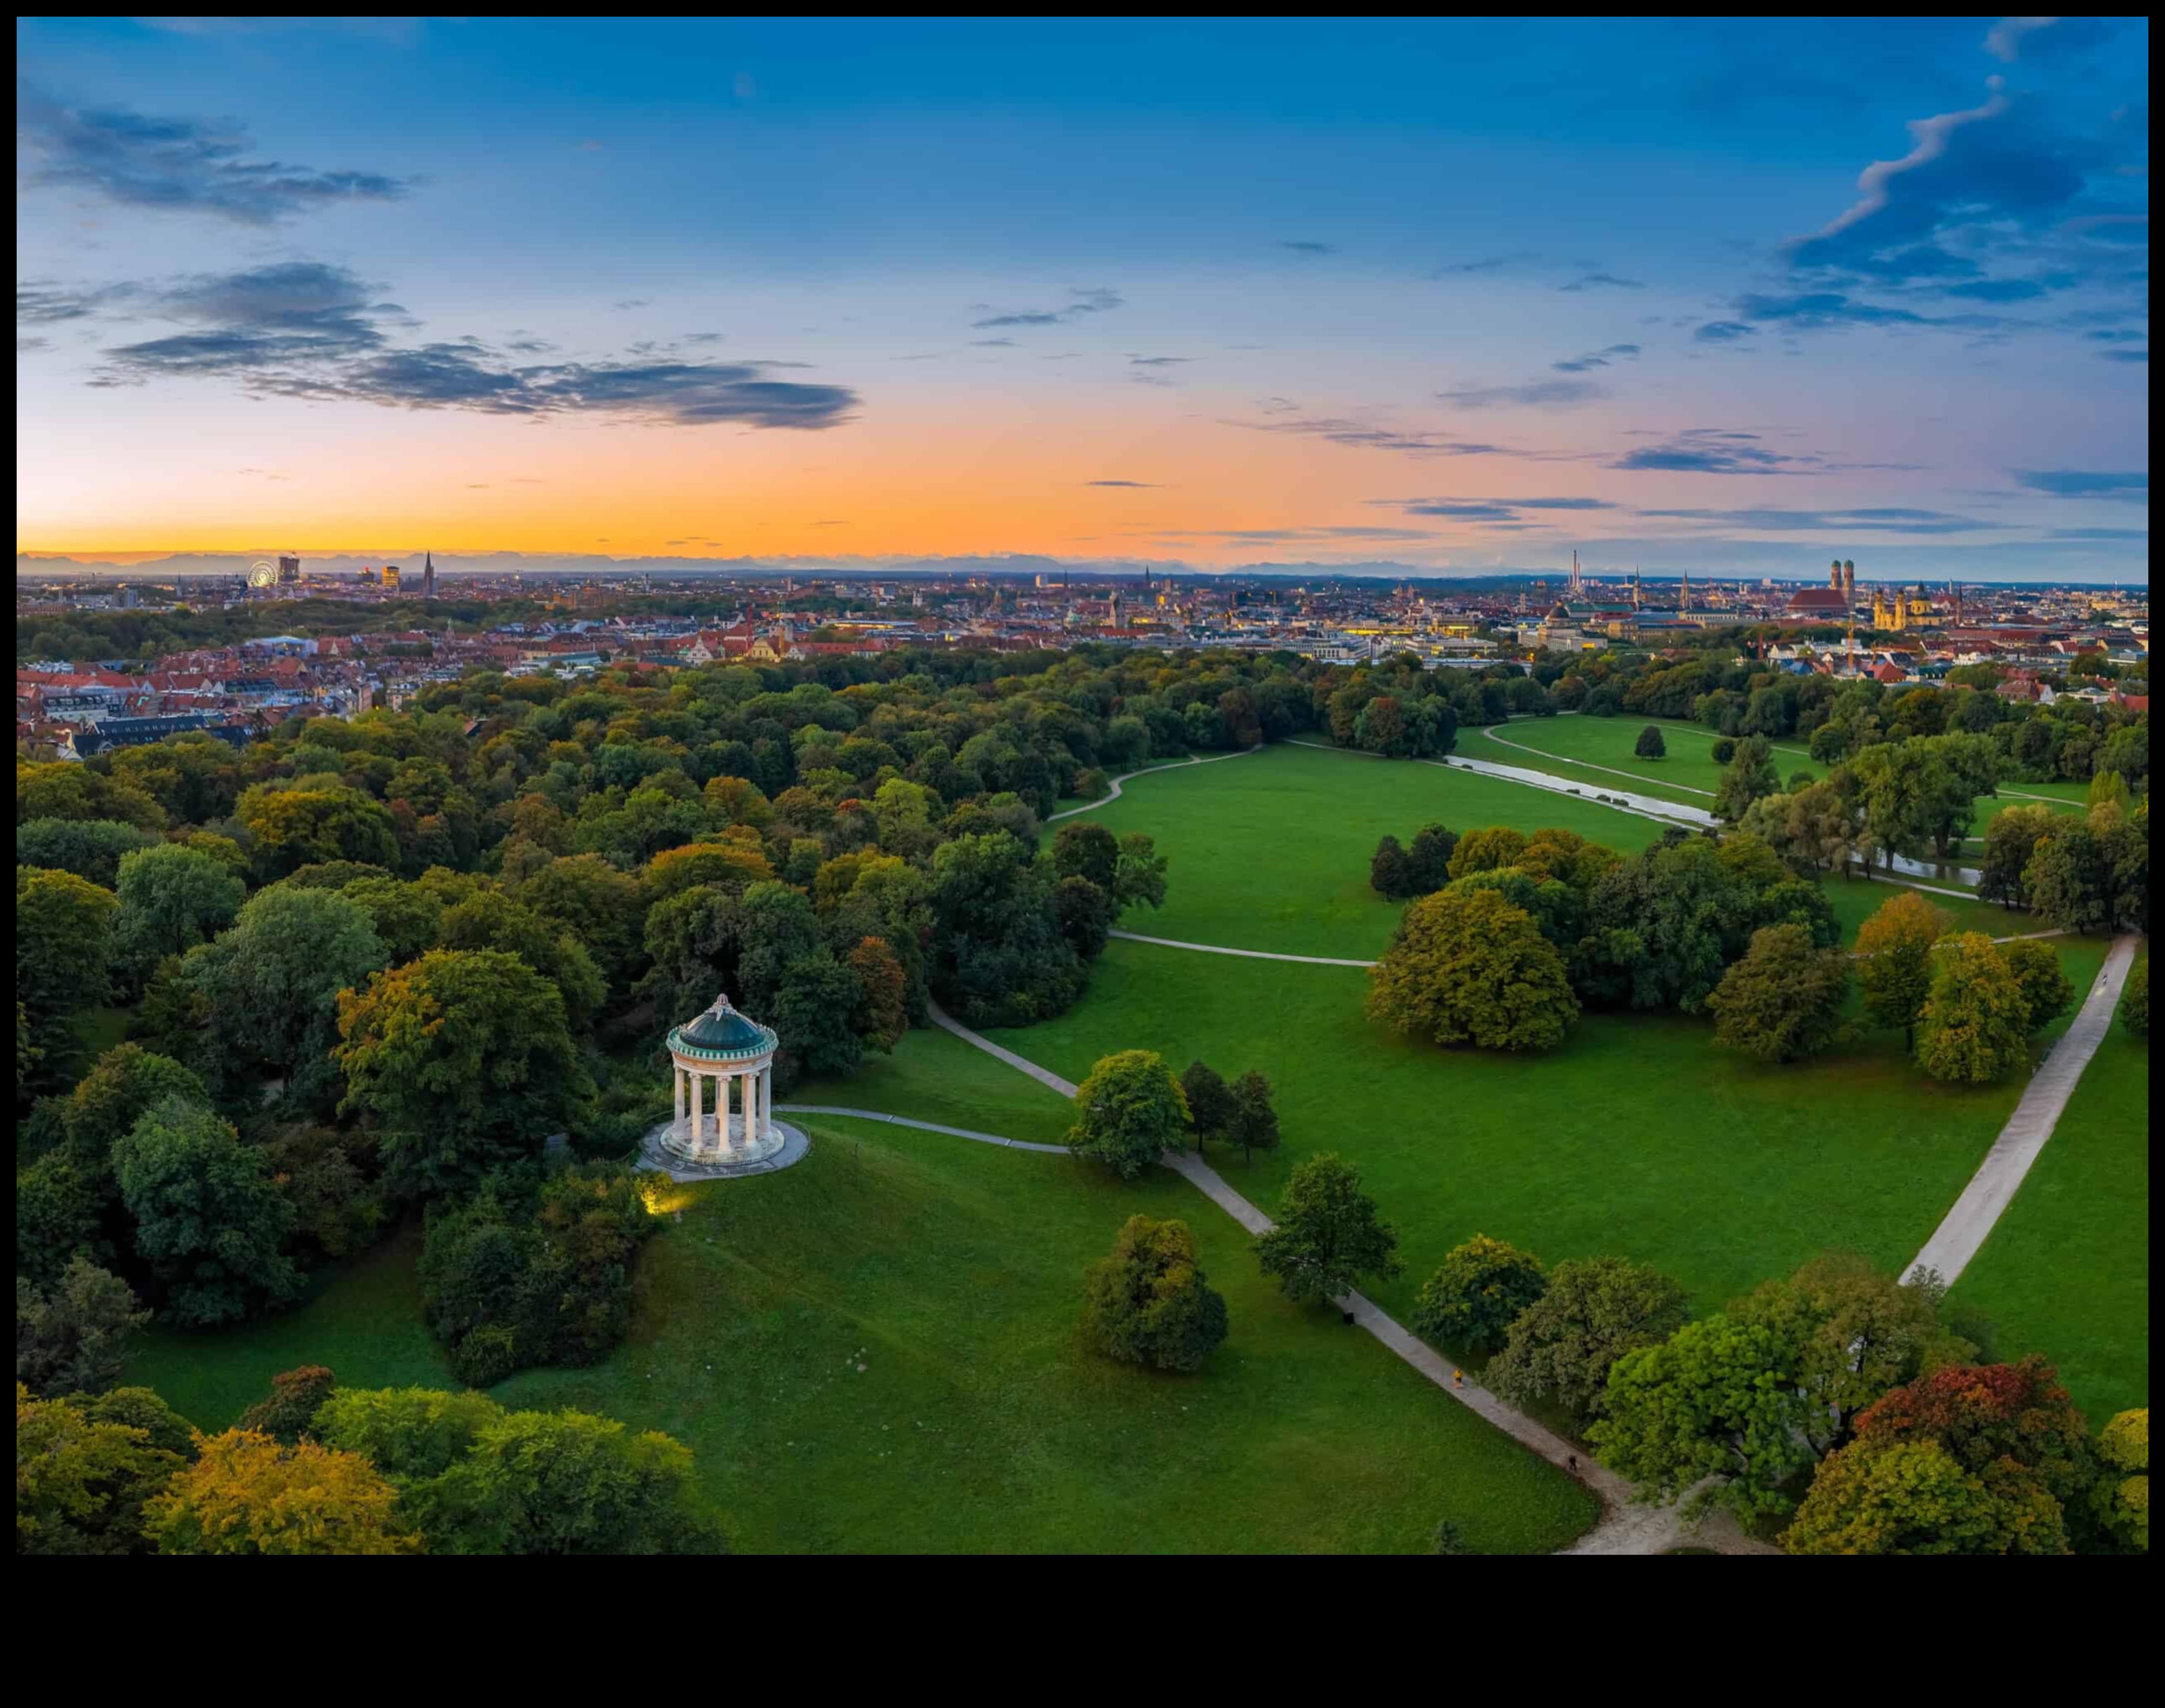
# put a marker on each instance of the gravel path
(901, 1121)
(1171, 765)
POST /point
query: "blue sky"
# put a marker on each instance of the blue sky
(1458, 295)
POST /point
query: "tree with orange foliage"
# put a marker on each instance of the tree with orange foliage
(247, 1495)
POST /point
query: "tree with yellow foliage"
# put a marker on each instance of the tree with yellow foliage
(247, 1495)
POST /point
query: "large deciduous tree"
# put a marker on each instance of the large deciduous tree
(1471, 1302)
(1563, 1345)
(313, 819)
(1149, 1303)
(463, 1061)
(171, 898)
(63, 948)
(1328, 1235)
(247, 1494)
(1129, 1111)
(209, 1218)
(83, 1478)
(1211, 1105)
(1465, 967)
(1895, 959)
(1782, 1001)
(1974, 1027)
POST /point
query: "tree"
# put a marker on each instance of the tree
(1650, 744)
(1429, 858)
(126, 1082)
(1328, 1234)
(1212, 1107)
(478, 1479)
(2120, 1498)
(270, 988)
(73, 1338)
(91, 848)
(999, 954)
(1974, 1027)
(882, 1010)
(2135, 1001)
(1987, 1414)
(1254, 1124)
(2010, 839)
(1782, 1001)
(1895, 959)
(63, 938)
(1748, 777)
(81, 1481)
(246, 1494)
(1662, 925)
(464, 1061)
(490, 919)
(604, 907)
(170, 899)
(1128, 1112)
(1472, 1301)
(2047, 993)
(1464, 966)
(1086, 915)
(1139, 877)
(2069, 877)
(296, 1397)
(1485, 850)
(1595, 1309)
(209, 1219)
(1716, 1399)
(294, 824)
(1148, 1303)
(59, 1214)
(1913, 1497)
(1390, 872)
(1856, 1333)
(1086, 851)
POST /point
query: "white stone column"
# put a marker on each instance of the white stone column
(699, 1124)
(676, 1091)
(765, 1099)
(737, 1096)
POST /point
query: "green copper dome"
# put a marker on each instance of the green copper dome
(721, 1031)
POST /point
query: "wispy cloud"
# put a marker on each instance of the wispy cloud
(1885, 520)
(1339, 430)
(1539, 394)
(2130, 486)
(184, 165)
(1599, 358)
(306, 329)
(1308, 246)
(1722, 332)
(1139, 484)
(1711, 450)
(1602, 282)
(1095, 299)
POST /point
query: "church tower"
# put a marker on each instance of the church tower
(1848, 582)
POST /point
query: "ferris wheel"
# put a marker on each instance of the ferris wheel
(262, 573)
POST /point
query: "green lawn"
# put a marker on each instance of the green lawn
(951, 1272)
(2066, 1272)
(1271, 850)
(1638, 1136)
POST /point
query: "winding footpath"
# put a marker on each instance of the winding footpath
(1170, 765)
(1625, 1527)
(903, 1120)
(1960, 1235)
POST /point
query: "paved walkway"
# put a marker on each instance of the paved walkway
(899, 1120)
(1170, 765)
(1584, 764)
(1663, 812)
(1247, 954)
(1992, 1188)
(1625, 1528)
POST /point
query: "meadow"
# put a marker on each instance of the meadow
(877, 1351)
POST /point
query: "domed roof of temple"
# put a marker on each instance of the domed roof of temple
(721, 1031)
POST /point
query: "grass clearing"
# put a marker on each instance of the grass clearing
(1637, 1137)
(952, 1272)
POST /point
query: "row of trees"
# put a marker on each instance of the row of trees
(318, 1469)
(1131, 1110)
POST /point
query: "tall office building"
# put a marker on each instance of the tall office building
(289, 570)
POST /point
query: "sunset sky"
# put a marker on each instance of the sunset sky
(1721, 298)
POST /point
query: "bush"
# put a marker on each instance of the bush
(1650, 745)
(486, 1356)
(1472, 1300)
(1724, 749)
(2135, 1000)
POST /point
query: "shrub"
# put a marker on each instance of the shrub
(1650, 744)
(296, 1396)
(486, 1356)
(2135, 1000)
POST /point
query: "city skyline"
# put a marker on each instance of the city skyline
(1425, 299)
